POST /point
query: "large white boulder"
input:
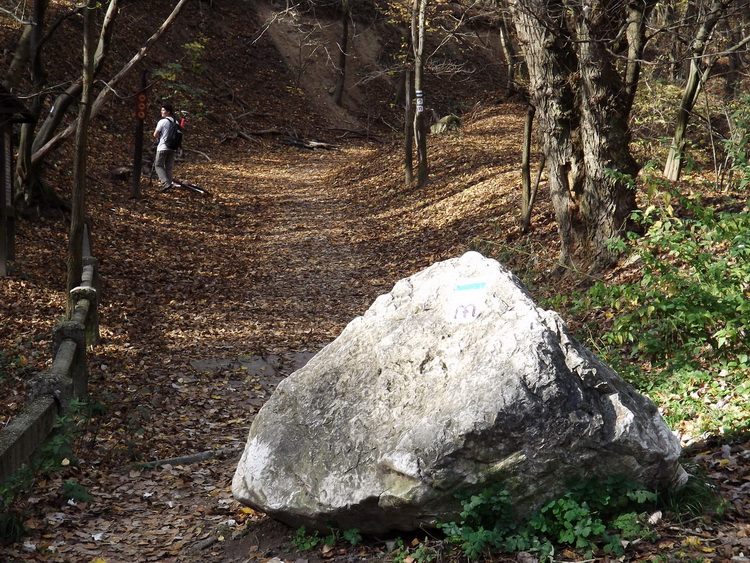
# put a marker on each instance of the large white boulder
(455, 378)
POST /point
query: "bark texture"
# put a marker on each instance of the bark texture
(583, 98)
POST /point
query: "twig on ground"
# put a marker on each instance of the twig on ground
(297, 141)
(208, 542)
(359, 134)
(185, 460)
(204, 155)
(250, 135)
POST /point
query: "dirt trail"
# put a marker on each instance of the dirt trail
(313, 269)
(270, 266)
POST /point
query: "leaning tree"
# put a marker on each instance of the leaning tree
(49, 128)
(583, 60)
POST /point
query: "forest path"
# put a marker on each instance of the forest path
(209, 303)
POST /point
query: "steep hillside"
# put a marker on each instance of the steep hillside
(246, 71)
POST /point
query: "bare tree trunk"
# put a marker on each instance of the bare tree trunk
(528, 191)
(408, 130)
(20, 58)
(582, 109)
(635, 31)
(511, 57)
(78, 199)
(31, 189)
(104, 95)
(700, 69)
(733, 76)
(673, 165)
(343, 47)
(420, 123)
(71, 94)
(553, 97)
(608, 196)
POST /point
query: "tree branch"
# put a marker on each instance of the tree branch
(104, 95)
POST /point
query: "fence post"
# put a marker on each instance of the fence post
(20, 438)
(90, 316)
(49, 394)
(73, 331)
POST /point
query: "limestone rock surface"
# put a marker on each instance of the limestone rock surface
(456, 378)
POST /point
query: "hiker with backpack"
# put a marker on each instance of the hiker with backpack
(168, 134)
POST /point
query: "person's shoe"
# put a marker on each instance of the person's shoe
(165, 187)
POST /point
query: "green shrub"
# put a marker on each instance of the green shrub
(684, 317)
(306, 541)
(593, 515)
(72, 490)
(416, 552)
(690, 304)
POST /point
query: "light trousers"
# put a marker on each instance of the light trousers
(164, 165)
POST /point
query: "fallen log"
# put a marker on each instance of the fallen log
(187, 459)
(297, 141)
(250, 135)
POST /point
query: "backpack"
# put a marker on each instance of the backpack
(173, 140)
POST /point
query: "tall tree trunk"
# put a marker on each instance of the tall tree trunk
(528, 191)
(582, 108)
(408, 130)
(608, 196)
(733, 75)
(78, 200)
(673, 165)
(31, 189)
(511, 57)
(419, 8)
(700, 69)
(20, 58)
(63, 102)
(553, 97)
(338, 92)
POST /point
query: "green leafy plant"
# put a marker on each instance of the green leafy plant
(685, 315)
(352, 536)
(194, 52)
(593, 515)
(304, 541)
(699, 495)
(72, 490)
(485, 520)
(175, 84)
(57, 453)
(416, 552)
(691, 301)
(400, 551)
